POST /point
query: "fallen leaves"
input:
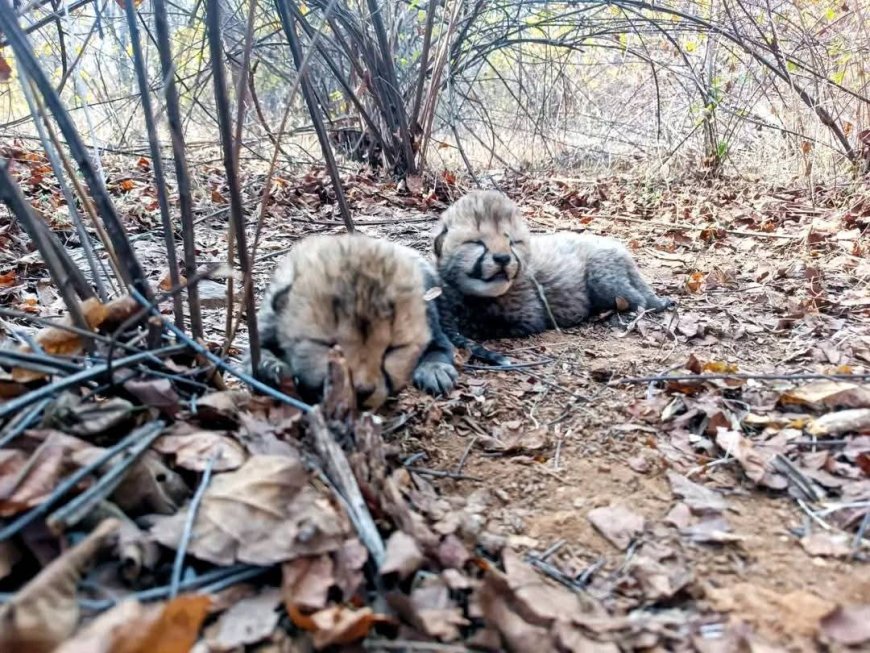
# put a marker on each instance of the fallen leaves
(45, 612)
(262, 513)
(847, 625)
(828, 394)
(617, 524)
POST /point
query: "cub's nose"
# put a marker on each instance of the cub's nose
(363, 393)
(501, 259)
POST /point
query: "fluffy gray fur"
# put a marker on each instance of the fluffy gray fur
(496, 275)
(365, 295)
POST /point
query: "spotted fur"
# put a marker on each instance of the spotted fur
(496, 274)
(365, 295)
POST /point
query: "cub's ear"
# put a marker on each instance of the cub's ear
(279, 299)
(438, 233)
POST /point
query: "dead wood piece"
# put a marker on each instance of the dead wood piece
(339, 472)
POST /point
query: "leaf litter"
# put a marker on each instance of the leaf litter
(615, 524)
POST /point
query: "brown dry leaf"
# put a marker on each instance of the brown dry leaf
(150, 487)
(155, 393)
(835, 545)
(57, 341)
(518, 635)
(403, 556)
(349, 562)
(719, 367)
(848, 625)
(617, 524)
(701, 500)
(305, 582)
(695, 281)
(535, 597)
(5, 70)
(515, 440)
(45, 612)
(8, 279)
(430, 610)
(173, 628)
(99, 635)
(755, 462)
(194, 450)
(659, 580)
(262, 513)
(828, 394)
(249, 621)
(339, 625)
(856, 420)
(221, 408)
(9, 556)
(89, 420)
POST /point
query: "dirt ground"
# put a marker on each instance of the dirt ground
(702, 506)
(767, 281)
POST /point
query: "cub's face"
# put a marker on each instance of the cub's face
(481, 244)
(362, 294)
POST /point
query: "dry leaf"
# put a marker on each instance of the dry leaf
(701, 500)
(848, 625)
(155, 393)
(173, 628)
(5, 70)
(262, 513)
(403, 556)
(518, 635)
(99, 635)
(430, 610)
(194, 450)
(249, 621)
(617, 524)
(828, 394)
(45, 612)
(305, 582)
(339, 625)
(856, 420)
(754, 461)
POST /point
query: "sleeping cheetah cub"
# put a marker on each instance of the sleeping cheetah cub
(496, 275)
(365, 295)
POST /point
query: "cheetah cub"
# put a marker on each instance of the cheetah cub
(501, 281)
(365, 295)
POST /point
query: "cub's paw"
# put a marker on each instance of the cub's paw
(435, 377)
(663, 304)
(484, 355)
(275, 372)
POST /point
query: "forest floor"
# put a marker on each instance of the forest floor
(716, 511)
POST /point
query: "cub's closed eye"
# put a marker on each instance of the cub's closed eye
(393, 348)
(475, 242)
(518, 242)
(323, 343)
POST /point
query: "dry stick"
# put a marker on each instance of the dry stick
(14, 405)
(693, 227)
(26, 59)
(314, 112)
(86, 202)
(156, 157)
(11, 195)
(187, 533)
(340, 474)
(57, 167)
(424, 61)
(77, 509)
(185, 199)
(739, 375)
(213, 27)
(68, 484)
(237, 141)
(216, 360)
(21, 422)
